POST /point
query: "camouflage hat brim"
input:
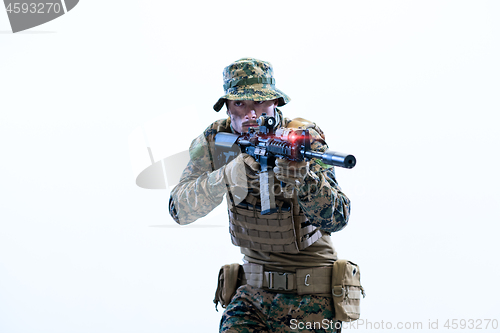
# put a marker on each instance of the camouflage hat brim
(255, 92)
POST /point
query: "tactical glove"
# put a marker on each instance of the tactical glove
(241, 174)
(291, 172)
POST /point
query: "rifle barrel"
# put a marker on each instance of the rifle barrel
(333, 158)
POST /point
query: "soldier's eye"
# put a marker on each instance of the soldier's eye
(259, 102)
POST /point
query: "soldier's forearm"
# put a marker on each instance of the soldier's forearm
(194, 198)
(324, 204)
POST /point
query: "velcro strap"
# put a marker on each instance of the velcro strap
(310, 238)
(307, 229)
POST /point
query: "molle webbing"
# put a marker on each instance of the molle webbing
(275, 232)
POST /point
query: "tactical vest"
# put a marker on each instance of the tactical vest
(288, 230)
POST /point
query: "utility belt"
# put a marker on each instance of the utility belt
(341, 281)
(314, 280)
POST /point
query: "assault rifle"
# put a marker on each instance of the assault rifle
(267, 144)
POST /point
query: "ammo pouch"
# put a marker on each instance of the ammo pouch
(230, 277)
(346, 290)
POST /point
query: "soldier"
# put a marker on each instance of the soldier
(285, 281)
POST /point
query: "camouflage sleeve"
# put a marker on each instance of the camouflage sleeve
(320, 198)
(200, 189)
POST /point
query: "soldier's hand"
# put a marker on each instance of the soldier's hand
(252, 169)
(291, 172)
(239, 173)
(251, 165)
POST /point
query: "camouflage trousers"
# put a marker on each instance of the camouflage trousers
(255, 310)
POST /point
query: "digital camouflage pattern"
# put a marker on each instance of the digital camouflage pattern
(320, 198)
(250, 79)
(256, 310)
(201, 188)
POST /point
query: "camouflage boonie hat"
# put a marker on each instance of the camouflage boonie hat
(250, 79)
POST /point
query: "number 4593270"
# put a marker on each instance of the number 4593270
(471, 324)
(33, 8)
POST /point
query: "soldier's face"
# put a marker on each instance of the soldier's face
(244, 114)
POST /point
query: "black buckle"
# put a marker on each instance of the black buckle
(278, 281)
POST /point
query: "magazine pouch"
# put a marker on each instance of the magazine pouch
(229, 280)
(346, 290)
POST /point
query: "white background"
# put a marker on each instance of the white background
(411, 88)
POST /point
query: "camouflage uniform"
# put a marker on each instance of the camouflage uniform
(257, 310)
(202, 187)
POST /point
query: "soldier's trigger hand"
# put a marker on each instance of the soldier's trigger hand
(236, 176)
(242, 166)
(250, 162)
(291, 172)
(252, 173)
(252, 169)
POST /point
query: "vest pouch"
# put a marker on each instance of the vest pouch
(346, 290)
(229, 280)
